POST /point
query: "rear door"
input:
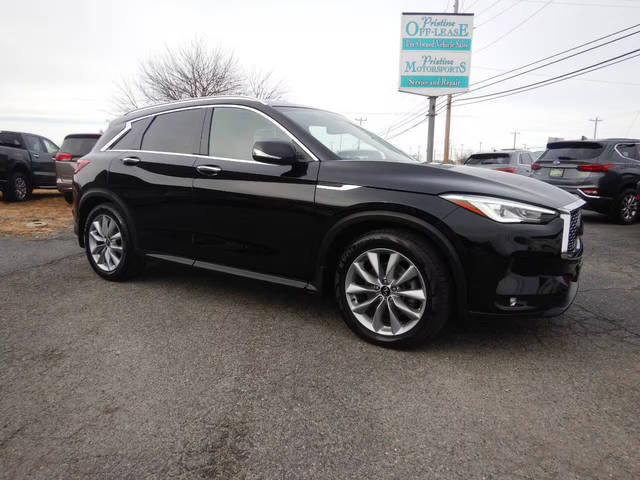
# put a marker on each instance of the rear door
(153, 174)
(251, 215)
(43, 163)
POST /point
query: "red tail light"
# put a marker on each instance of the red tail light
(590, 191)
(81, 164)
(507, 169)
(63, 157)
(536, 166)
(596, 167)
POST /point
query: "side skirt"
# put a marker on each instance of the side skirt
(235, 271)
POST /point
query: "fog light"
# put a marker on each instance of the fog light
(513, 301)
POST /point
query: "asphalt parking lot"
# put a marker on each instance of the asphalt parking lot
(189, 374)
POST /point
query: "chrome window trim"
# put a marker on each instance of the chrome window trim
(226, 105)
(199, 99)
(198, 156)
(572, 206)
(626, 143)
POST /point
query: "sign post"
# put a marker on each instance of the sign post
(435, 58)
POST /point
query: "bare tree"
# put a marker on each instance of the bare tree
(191, 71)
(262, 85)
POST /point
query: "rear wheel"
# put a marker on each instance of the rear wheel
(108, 244)
(18, 188)
(393, 288)
(625, 208)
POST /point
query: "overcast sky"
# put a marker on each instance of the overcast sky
(60, 60)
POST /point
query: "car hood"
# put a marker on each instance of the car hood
(439, 179)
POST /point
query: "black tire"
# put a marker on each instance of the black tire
(18, 187)
(130, 263)
(438, 283)
(68, 196)
(620, 211)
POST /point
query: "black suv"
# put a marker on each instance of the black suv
(603, 173)
(305, 198)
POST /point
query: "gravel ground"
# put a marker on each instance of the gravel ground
(189, 374)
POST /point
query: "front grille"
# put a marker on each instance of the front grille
(574, 230)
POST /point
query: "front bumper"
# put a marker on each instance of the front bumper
(516, 269)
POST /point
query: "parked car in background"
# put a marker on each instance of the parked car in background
(27, 161)
(73, 147)
(603, 173)
(276, 193)
(512, 161)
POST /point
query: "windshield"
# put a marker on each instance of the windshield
(345, 139)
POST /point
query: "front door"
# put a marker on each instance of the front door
(251, 215)
(42, 162)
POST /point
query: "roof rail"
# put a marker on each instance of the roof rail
(196, 99)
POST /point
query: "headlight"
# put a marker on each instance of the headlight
(501, 210)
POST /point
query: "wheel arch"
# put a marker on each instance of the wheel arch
(95, 197)
(354, 225)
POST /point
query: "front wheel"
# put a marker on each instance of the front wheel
(108, 244)
(625, 208)
(18, 188)
(393, 288)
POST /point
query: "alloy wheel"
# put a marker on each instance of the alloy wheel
(629, 207)
(20, 186)
(105, 243)
(385, 292)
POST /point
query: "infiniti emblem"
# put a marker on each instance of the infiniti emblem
(385, 291)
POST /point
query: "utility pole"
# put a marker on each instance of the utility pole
(480, 149)
(447, 125)
(515, 134)
(595, 127)
(432, 123)
(359, 120)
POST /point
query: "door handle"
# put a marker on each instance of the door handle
(208, 170)
(130, 160)
(36, 155)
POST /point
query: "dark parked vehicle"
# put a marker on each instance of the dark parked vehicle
(603, 173)
(512, 161)
(27, 161)
(305, 198)
(73, 147)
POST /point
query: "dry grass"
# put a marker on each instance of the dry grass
(45, 206)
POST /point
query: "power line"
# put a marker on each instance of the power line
(528, 88)
(410, 116)
(533, 86)
(516, 27)
(488, 8)
(497, 14)
(607, 5)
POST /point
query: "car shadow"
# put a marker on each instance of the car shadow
(477, 332)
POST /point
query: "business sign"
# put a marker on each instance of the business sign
(435, 54)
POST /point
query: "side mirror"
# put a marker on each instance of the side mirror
(275, 151)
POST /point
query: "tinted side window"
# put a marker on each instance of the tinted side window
(235, 130)
(132, 139)
(33, 143)
(10, 139)
(525, 159)
(49, 145)
(629, 150)
(177, 132)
